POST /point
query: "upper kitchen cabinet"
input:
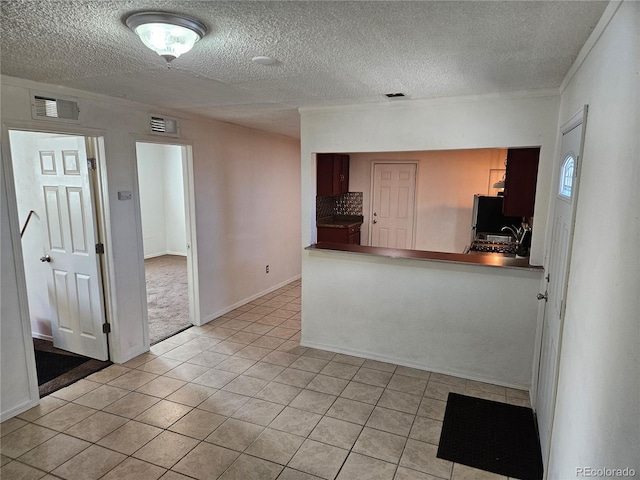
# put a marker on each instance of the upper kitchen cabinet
(332, 174)
(520, 182)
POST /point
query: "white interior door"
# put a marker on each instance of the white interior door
(566, 184)
(393, 205)
(70, 236)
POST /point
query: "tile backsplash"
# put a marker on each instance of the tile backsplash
(345, 204)
(349, 204)
(325, 206)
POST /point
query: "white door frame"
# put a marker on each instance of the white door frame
(415, 196)
(579, 117)
(190, 227)
(96, 138)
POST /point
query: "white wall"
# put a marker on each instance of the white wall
(597, 417)
(446, 183)
(443, 124)
(19, 385)
(161, 190)
(174, 201)
(247, 195)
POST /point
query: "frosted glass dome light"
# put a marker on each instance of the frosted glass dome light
(167, 34)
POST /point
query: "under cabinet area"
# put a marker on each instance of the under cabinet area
(349, 234)
(520, 182)
(332, 174)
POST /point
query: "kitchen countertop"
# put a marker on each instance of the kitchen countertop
(340, 221)
(487, 259)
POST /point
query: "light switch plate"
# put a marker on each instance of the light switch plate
(124, 195)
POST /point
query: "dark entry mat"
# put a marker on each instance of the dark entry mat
(491, 436)
(50, 365)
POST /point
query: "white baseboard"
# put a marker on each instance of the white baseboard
(19, 409)
(404, 363)
(219, 313)
(42, 336)
(131, 355)
(154, 255)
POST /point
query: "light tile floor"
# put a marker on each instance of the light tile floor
(239, 398)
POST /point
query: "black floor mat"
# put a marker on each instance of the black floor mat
(50, 365)
(491, 436)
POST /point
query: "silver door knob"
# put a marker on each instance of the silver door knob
(46, 258)
(543, 296)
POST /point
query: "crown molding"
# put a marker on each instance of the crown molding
(591, 42)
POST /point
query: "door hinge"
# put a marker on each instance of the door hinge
(106, 327)
(91, 163)
(100, 248)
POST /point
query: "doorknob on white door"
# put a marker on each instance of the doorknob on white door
(46, 258)
(543, 296)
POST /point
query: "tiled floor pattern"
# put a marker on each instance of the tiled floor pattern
(240, 399)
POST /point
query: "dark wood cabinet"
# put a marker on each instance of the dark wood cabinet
(332, 174)
(520, 182)
(350, 235)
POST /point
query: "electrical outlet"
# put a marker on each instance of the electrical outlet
(267, 269)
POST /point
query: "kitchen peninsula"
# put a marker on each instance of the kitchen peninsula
(439, 312)
(485, 259)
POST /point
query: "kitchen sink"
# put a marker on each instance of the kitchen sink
(495, 237)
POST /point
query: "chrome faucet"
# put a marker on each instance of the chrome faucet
(517, 234)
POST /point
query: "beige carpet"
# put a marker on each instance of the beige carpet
(167, 296)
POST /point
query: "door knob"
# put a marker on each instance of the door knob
(46, 258)
(543, 296)
(375, 221)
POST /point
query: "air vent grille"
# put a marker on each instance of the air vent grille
(163, 125)
(54, 108)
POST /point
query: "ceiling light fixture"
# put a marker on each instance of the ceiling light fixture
(168, 34)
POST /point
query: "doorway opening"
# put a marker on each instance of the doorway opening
(57, 198)
(164, 187)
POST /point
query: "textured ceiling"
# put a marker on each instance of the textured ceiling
(329, 53)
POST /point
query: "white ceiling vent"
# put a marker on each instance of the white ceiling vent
(163, 126)
(54, 107)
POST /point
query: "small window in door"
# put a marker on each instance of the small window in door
(566, 177)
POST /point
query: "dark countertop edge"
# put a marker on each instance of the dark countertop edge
(483, 260)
